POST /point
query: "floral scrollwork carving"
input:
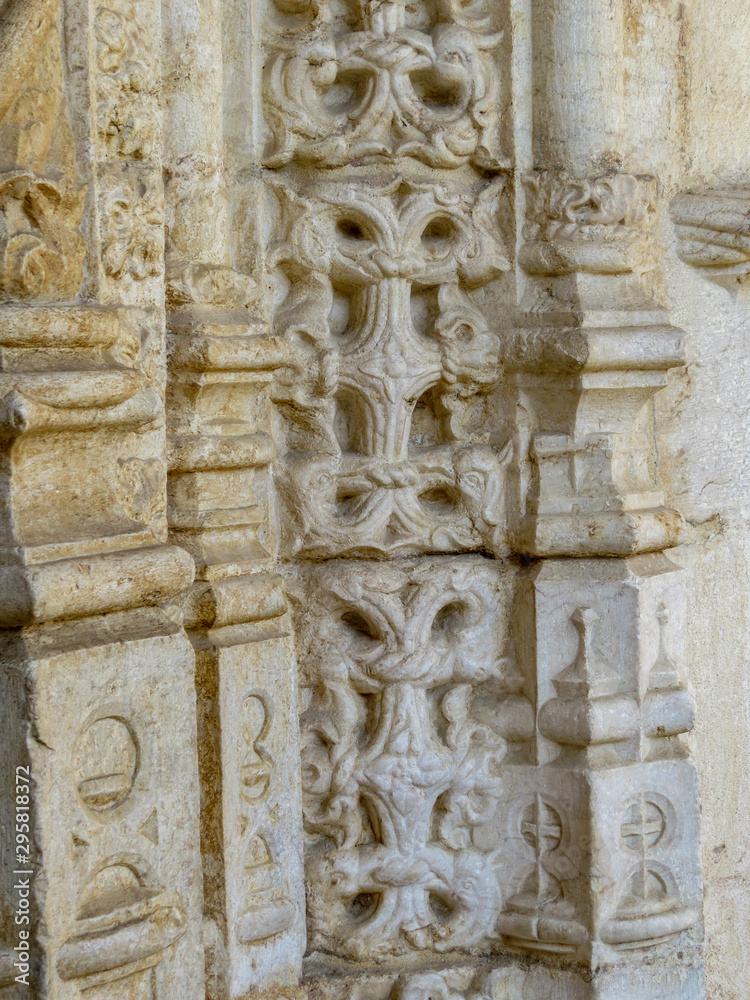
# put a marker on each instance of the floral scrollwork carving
(132, 227)
(389, 364)
(397, 771)
(41, 247)
(126, 107)
(386, 90)
(600, 224)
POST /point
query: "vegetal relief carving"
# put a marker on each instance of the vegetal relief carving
(132, 225)
(397, 770)
(31, 83)
(41, 247)
(456, 982)
(32, 117)
(196, 203)
(213, 285)
(384, 88)
(126, 106)
(390, 361)
(600, 224)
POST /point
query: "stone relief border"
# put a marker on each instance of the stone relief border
(331, 416)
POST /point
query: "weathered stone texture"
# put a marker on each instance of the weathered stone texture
(373, 500)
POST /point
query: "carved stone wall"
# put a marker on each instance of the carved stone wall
(374, 590)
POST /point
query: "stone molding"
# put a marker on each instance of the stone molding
(712, 233)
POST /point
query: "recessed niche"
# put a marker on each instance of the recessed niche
(427, 421)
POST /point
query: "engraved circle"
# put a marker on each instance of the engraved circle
(541, 826)
(105, 763)
(643, 826)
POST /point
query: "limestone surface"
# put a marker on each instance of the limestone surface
(374, 522)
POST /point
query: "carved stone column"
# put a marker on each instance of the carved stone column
(96, 683)
(614, 826)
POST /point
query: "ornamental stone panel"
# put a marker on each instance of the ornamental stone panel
(374, 553)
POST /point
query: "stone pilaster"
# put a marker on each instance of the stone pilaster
(222, 356)
(96, 683)
(610, 831)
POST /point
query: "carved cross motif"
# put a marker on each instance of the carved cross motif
(644, 826)
(539, 916)
(649, 908)
(541, 827)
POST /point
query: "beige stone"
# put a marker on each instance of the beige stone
(373, 500)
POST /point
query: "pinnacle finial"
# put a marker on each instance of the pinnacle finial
(587, 675)
(663, 673)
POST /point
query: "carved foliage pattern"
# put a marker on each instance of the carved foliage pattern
(398, 771)
(41, 249)
(382, 79)
(41, 246)
(127, 109)
(591, 224)
(389, 363)
(129, 139)
(386, 295)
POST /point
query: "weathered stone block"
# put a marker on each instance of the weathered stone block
(100, 717)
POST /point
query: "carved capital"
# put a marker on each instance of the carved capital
(594, 225)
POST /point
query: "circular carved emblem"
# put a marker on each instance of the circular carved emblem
(643, 826)
(541, 827)
(105, 762)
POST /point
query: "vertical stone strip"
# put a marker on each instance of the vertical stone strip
(222, 357)
(193, 143)
(96, 683)
(387, 208)
(614, 823)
